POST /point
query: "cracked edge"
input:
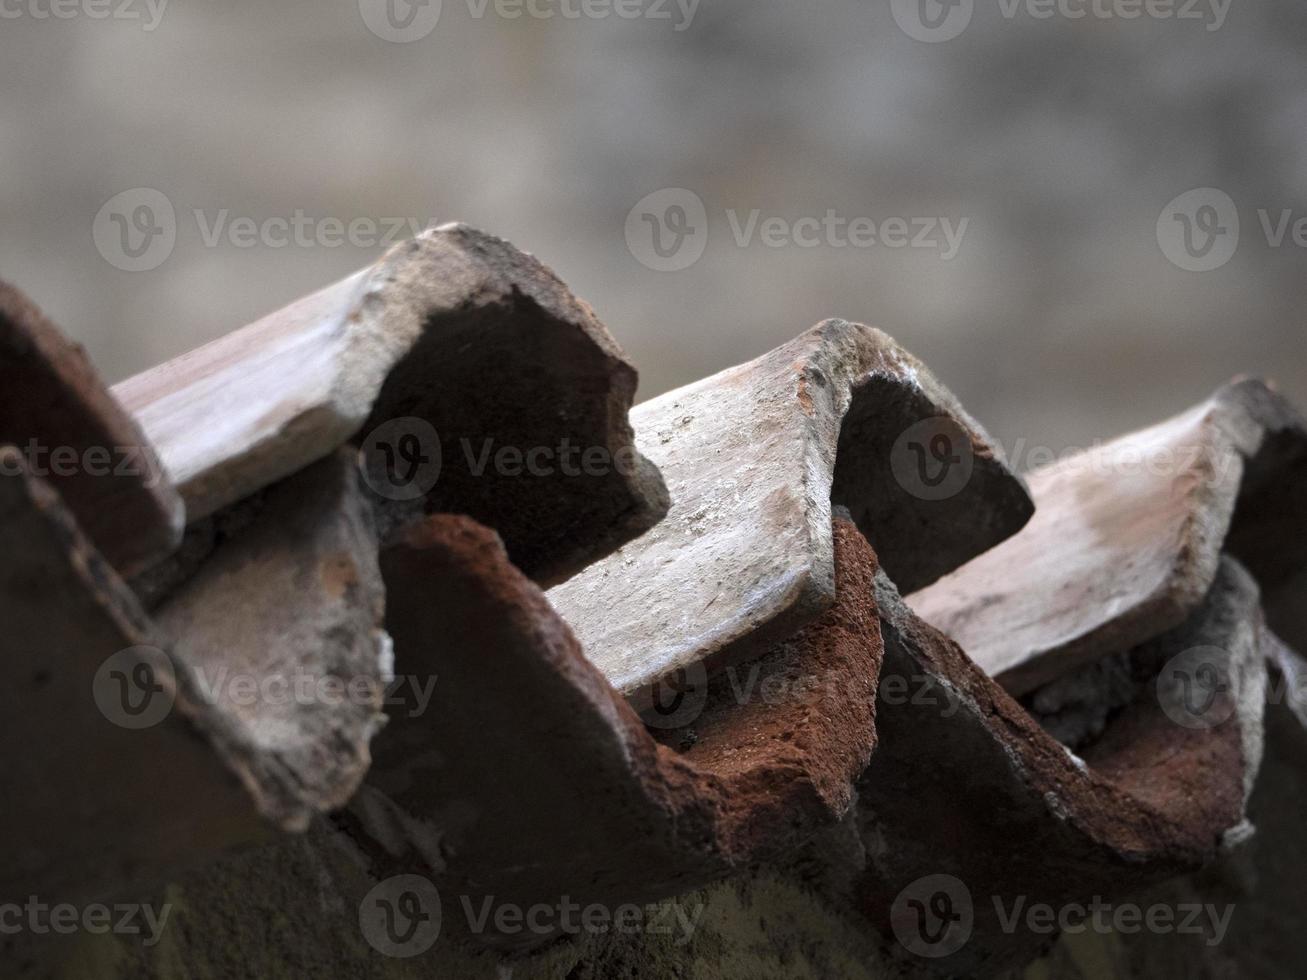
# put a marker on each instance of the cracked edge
(255, 406)
(755, 456)
(613, 815)
(53, 398)
(946, 794)
(1235, 478)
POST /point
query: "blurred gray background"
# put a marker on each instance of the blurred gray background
(1060, 140)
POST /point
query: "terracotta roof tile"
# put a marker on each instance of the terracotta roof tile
(1127, 536)
(754, 457)
(522, 717)
(965, 783)
(722, 676)
(55, 409)
(102, 785)
(456, 328)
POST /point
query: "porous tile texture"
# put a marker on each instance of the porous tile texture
(442, 660)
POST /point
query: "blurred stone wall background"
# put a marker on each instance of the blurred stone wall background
(1060, 139)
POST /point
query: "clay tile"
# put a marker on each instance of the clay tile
(282, 624)
(1126, 539)
(528, 778)
(73, 433)
(754, 457)
(106, 781)
(968, 807)
(452, 347)
(139, 746)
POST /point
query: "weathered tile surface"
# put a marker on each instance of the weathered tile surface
(1126, 538)
(59, 414)
(114, 769)
(528, 778)
(282, 625)
(753, 458)
(968, 806)
(460, 346)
